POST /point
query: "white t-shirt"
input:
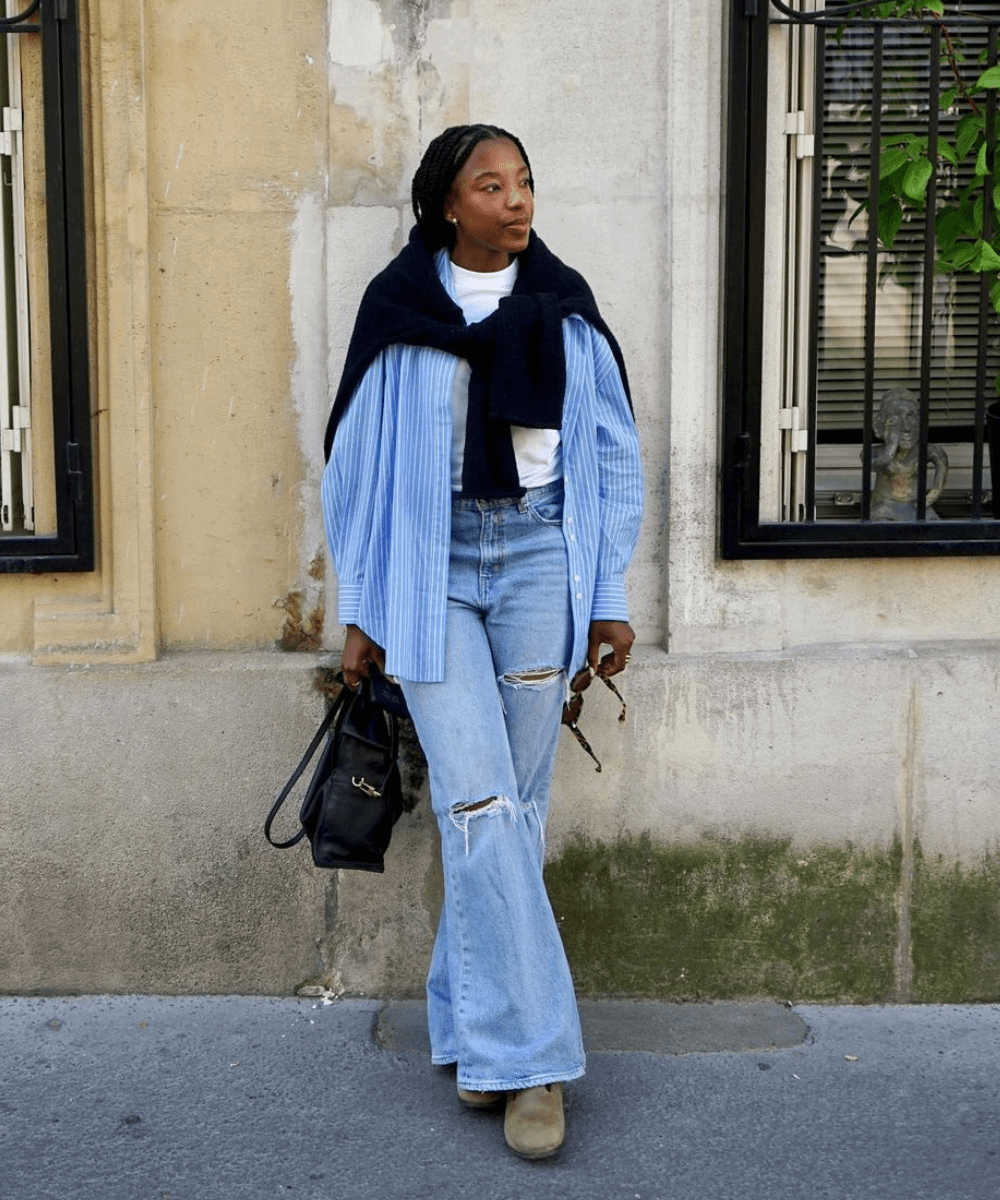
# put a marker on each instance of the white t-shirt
(538, 451)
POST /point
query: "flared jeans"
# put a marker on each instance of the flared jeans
(500, 998)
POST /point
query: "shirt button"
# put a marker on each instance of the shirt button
(576, 578)
(579, 595)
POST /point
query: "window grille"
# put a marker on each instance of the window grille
(46, 489)
(822, 318)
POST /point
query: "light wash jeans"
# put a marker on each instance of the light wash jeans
(500, 999)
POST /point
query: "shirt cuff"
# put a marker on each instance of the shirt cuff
(348, 603)
(610, 602)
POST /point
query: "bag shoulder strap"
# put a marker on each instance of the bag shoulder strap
(334, 711)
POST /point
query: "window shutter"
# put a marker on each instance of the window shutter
(846, 133)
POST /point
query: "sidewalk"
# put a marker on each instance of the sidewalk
(236, 1098)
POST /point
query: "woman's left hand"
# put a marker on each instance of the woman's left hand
(619, 635)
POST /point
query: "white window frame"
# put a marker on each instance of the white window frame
(16, 503)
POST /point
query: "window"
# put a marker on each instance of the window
(833, 337)
(46, 492)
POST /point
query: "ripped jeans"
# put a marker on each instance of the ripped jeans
(500, 999)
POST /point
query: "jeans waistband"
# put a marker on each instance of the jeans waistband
(547, 492)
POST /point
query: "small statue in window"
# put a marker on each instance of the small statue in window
(897, 424)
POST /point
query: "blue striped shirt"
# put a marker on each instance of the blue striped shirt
(386, 496)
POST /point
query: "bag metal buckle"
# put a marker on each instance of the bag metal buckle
(365, 787)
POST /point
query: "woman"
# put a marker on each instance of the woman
(482, 499)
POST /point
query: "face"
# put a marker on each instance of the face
(491, 205)
(903, 420)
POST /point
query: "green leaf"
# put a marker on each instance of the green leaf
(979, 213)
(889, 189)
(995, 298)
(909, 142)
(969, 129)
(985, 258)
(981, 168)
(996, 199)
(970, 190)
(947, 152)
(891, 161)
(967, 216)
(957, 259)
(969, 193)
(890, 217)
(948, 225)
(948, 98)
(988, 79)
(916, 179)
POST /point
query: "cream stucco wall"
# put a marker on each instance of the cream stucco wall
(251, 163)
(206, 129)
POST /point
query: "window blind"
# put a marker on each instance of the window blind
(843, 265)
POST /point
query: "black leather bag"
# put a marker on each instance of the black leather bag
(354, 797)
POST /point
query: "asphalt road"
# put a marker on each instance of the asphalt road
(236, 1098)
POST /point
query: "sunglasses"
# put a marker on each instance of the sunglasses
(574, 706)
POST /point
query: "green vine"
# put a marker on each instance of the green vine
(967, 218)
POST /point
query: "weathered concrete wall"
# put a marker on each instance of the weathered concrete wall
(735, 843)
(741, 841)
(133, 799)
(801, 801)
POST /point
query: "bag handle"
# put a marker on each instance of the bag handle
(342, 698)
(345, 698)
(368, 695)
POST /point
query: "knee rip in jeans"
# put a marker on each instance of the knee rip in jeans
(463, 814)
(535, 678)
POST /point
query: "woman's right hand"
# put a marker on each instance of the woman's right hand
(359, 654)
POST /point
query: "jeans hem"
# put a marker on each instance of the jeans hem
(539, 1079)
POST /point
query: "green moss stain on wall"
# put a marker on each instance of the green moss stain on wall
(758, 917)
(955, 930)
(725, 919)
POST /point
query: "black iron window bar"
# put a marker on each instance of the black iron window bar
(742, 534)
(21, 24)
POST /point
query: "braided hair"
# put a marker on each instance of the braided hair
(442, 161)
